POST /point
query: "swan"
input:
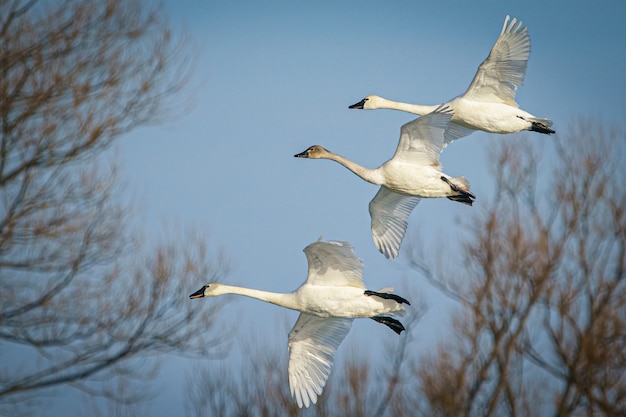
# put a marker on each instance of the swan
(489, 102)
(332, 296)
(414, 172)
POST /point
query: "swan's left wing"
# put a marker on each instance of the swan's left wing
(312, 345)
(390, 212)
(504, 69)
(333, 263)
(423, 139)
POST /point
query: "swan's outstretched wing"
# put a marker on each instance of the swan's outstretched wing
(334, 263)
(499, 75)
(312, 345)
(390, 213)
(423, 139)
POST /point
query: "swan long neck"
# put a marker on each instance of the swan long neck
(280, 299)
(419, 109)
(370, 175)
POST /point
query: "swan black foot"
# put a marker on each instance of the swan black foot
(464, 196)
(393, 324)
(541, 128)
(388, 296)
(461, 199)
(539, 125)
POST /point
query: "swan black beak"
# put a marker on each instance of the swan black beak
(358, 105)
(304, 154)
(199, 293)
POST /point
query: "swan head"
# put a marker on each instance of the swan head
(208, 290)
(368, 103)
(313, 152)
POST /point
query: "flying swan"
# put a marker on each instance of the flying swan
(489, 102)
(332, 296)
(414, 172)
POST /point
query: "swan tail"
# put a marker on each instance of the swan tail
(541, 126)
(392, 323)
(388, 296)
(462, 187)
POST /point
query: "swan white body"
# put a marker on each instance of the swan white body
(332, 296)
(414, 172)
(489, 102)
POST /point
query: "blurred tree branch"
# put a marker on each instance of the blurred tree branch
(543, 328)
(78, 303)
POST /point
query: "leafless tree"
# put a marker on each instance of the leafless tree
(543, 324)
(81, 300)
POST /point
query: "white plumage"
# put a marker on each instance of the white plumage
(332, 296)
(489, 102)
(412, 173)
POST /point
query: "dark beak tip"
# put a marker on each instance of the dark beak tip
(358, 105)
(197, 294)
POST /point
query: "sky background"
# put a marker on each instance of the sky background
(272, 78)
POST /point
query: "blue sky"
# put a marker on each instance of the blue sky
(272, 78)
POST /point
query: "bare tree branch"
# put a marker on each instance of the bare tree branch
(547, 289)
(82, 301)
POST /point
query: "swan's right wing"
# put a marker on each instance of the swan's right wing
(423, 139)
(312, 345)
(504, 69)
(333, 263)
(390, 213)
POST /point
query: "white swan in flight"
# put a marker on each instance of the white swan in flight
(413, 172)
(332, 296)
(489, 102)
